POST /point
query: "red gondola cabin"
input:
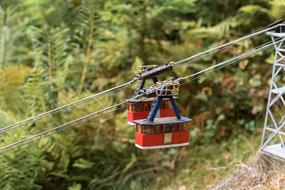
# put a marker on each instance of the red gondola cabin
(153, 132)
(164, 133)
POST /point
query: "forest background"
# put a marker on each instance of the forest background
(53, 52)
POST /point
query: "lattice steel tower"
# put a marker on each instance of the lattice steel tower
(274, 125)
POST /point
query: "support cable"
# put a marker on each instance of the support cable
(229, 61)
(56, 110)
(218, 48)
(92, 116)
(49, 132)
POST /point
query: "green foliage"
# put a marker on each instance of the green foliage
(34, 94)
(10, 87)
(7, 16)
(87, 30)
(276, 9)
(56, 52)
(20, 170)
(50, 55)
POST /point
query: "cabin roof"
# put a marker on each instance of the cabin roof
(165, 120)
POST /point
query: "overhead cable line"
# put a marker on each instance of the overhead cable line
(218, 48)
(92, 116)
(230, 61)
(56, 110)
(60, 128)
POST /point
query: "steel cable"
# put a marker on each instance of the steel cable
(228, 62)
(223, 46)
(60, 128)
(56, 110)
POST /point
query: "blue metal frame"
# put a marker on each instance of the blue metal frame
(154, 110)
(175, 108)
(156, 106)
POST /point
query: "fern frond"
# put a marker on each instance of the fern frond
(216, 32)
(85, 38)
(86, 23)
(8, 30)
(34, 94)
(51, 51)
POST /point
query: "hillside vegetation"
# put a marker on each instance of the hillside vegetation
(53, 52)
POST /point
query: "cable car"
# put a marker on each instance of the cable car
(140, 108)
(153, 132)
